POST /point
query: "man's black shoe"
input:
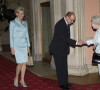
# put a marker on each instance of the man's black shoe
(70, 85)
(64, 87)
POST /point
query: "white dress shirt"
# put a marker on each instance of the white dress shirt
(67, 24)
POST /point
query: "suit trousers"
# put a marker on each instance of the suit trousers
(61, 69)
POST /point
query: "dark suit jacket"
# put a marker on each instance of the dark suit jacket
(61, 39)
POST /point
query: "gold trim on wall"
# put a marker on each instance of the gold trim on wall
(44, 4)
(41, 29)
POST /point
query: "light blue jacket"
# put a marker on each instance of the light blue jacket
(19, 36)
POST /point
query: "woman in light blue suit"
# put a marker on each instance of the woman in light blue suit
(19, 44)
(96, 40)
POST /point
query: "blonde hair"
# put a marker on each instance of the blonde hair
(18, 9)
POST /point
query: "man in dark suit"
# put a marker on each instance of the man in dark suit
(59, 47)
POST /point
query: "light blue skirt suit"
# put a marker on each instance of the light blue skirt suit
(19, 40)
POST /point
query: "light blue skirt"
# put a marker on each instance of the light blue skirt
(21, 55)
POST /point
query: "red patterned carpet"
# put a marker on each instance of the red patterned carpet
(34, 82)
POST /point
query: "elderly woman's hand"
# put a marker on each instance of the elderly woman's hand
(94, 47)
(12, 51)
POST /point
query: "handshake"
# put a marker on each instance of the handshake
(80, 43)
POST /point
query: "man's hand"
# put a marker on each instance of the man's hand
(12, 51)
(80, 43)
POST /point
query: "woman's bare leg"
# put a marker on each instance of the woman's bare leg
(18, 69)
(23, 69)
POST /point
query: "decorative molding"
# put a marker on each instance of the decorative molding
(37, 57)
(78, 70)
(73, 70)
(92, 68)
(52, 64)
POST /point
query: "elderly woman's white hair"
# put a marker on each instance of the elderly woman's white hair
(95, 20)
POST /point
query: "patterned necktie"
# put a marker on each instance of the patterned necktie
(68, 26)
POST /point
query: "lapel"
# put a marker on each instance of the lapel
(18, 23)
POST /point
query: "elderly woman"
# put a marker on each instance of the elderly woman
(95, 20)
(19, 44)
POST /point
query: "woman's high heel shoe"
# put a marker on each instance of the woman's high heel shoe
(22, 85)
(16, 85)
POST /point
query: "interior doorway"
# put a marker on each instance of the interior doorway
(46, 31)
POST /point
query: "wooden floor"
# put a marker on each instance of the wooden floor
(44, 70)
(81, 80)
